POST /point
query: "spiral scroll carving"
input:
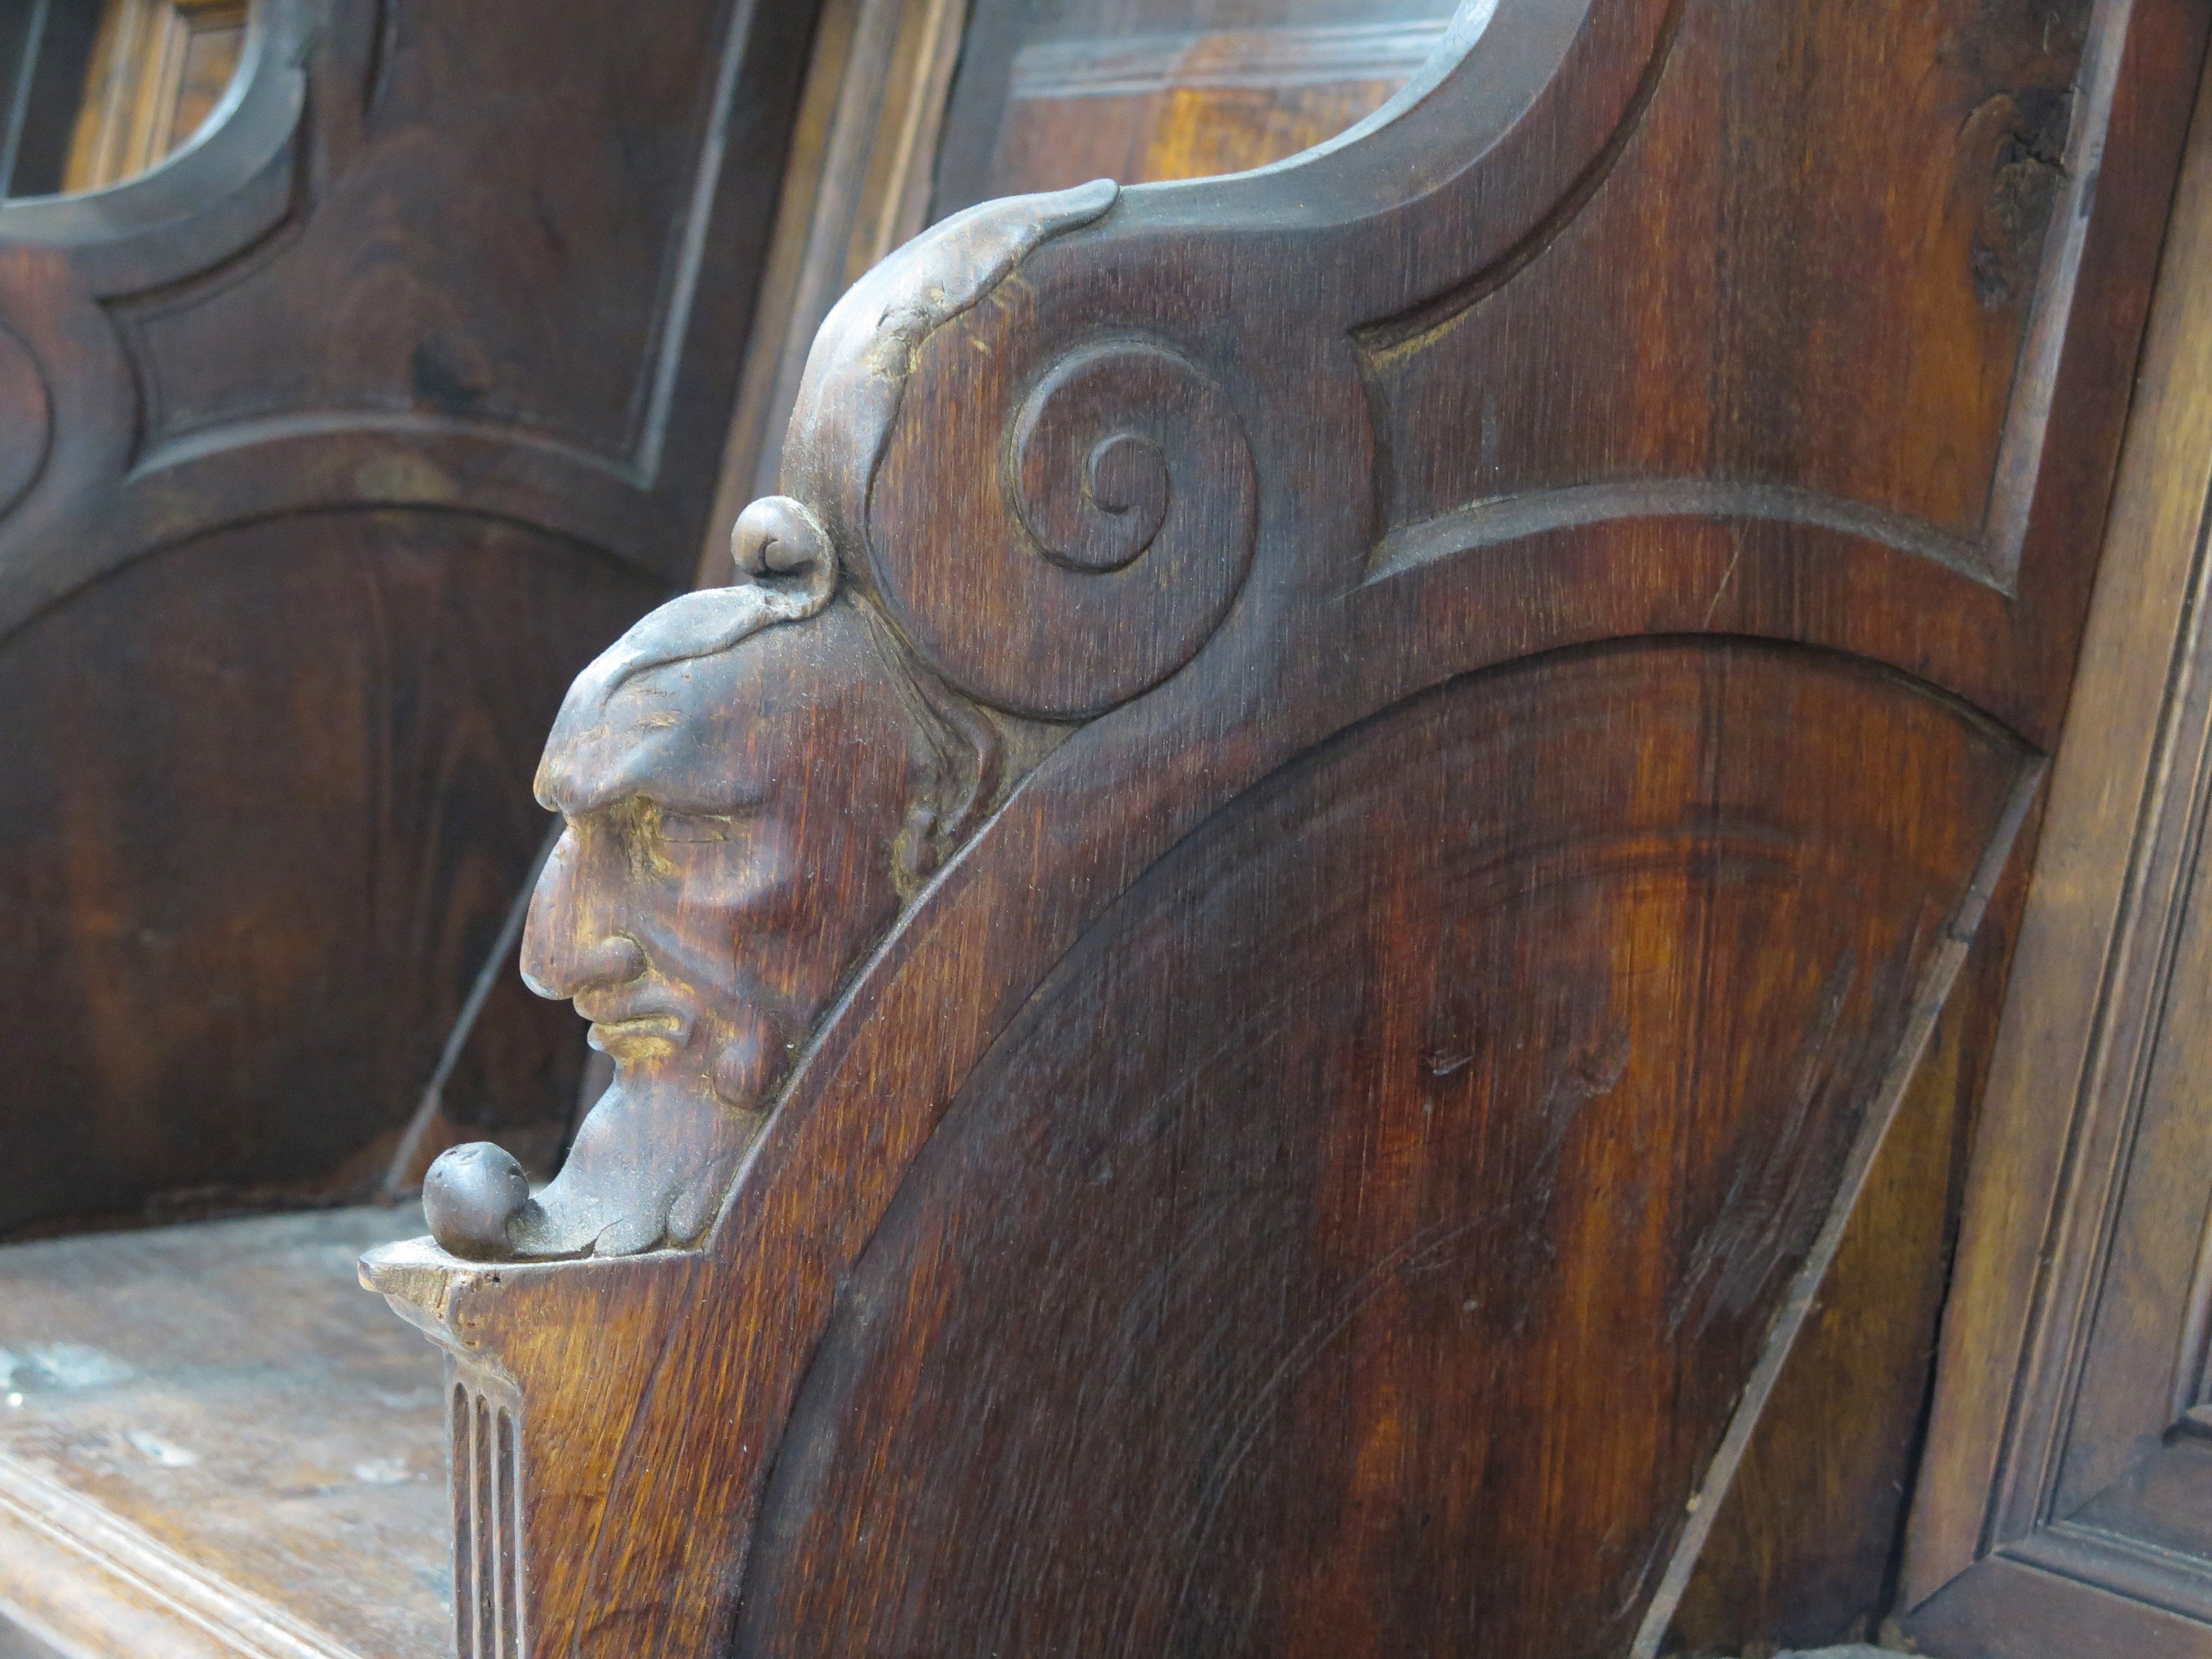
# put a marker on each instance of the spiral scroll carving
(1123, 531)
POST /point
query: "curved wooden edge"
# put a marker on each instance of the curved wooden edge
(344, 464)
(1540, 93)
(2154, 563)
(222, 191)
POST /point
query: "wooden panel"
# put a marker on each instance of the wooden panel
(1612, 967)
(1117, 473)
(354, 692)
(398, 293)
(1804, 1549)
(355, 431)
(2066, 1486)
(1722, 347)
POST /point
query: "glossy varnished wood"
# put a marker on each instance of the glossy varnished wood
(1428, 1226)
(1188, 487)
(2061, 1507)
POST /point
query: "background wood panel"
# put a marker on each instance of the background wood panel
(334, 448)
(250, 868)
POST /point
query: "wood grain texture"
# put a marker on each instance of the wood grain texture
(1153, 1260)
(211, 1446)
(333, 449)
(225, 1017)
(1174, 394)
(1804, 1551)
(2062, 1454)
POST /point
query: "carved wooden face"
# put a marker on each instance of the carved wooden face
(727, 859)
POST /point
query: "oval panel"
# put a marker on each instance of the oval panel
(1361, 1242)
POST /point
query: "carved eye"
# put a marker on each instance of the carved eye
(697, 826)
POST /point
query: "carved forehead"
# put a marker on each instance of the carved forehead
(726, 728)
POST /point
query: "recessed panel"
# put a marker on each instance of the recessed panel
(1361, 1242)
(1807, 275)
(266, 802)
(504, 243)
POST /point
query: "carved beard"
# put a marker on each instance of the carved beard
(655, 1155)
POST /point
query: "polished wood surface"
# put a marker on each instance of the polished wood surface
(1366, 1252)
(333, 449)
(212, 1446)
(1518, 706)
(2061, 1507)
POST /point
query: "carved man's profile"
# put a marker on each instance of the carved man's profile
(750, 779)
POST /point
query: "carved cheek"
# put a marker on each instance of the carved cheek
(762, 883)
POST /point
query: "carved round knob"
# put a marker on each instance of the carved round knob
(1104, 554)
(470, 1195)
(776, 536)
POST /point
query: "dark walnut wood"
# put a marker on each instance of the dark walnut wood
(2063, 1506)
(329, 453)
(1511, 711)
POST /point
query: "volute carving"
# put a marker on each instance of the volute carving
(1124, 513)
(755, 778)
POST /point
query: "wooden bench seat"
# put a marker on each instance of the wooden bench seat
(211, 1443)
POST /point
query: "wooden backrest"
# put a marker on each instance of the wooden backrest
(329, 450)
(1520, 644)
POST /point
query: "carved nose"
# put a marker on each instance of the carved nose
(560, 970)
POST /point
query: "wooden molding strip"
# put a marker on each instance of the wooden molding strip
(93, 1586)
(2012, 1272)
